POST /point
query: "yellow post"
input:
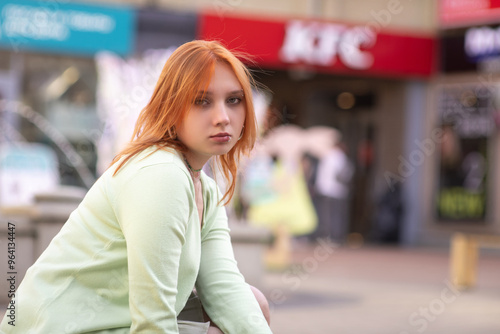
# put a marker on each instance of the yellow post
(463, 262)
(278, 257)
(472, 255)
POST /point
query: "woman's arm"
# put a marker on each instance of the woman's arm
(153, 211)
(227, 299)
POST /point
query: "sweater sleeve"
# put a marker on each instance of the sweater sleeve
(153, 211)
(227, 299)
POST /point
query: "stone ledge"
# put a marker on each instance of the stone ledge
(244, 233)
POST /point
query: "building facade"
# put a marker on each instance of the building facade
(463, 181)
(372, 69)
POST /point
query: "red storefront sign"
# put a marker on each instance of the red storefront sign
(323, 46)
(464, 13)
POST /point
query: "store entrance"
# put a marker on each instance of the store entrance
(360, 139)
(359, 135)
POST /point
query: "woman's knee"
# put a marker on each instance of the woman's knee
(263, 303)
(261, 300)
(214, 330)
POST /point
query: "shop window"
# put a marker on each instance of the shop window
(61, 92)
(467, 124)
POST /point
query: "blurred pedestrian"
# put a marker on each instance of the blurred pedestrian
(333, 179)
(310, 169)
(152, 226)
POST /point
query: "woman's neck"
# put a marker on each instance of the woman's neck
(195, 172)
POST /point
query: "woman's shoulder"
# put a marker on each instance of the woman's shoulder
(154, 155)
(153, 162)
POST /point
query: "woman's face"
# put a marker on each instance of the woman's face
(215, 120)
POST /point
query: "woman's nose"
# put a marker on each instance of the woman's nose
(221, 115)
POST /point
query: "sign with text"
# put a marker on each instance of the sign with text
(321, 43)
(323, 46)
(467, 121)
(482, 42)
(53, 26)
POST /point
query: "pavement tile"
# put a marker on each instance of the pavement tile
(381, 290)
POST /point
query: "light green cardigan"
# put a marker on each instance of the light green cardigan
(129, 256)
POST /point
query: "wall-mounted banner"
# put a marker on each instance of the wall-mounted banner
(323, 46)
(62, 27)
(467, 122)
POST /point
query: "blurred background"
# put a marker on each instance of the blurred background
(376, 174)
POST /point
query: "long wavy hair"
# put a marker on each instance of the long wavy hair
(186, 72)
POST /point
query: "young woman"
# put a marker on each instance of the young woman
(153, 227)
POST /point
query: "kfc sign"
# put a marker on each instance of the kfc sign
(329, 47)
(321, 44)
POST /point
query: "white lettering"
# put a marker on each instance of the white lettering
(318, 43)
(299, 42)
(327, 46)
(350, 49)
(482, 41)
(43, 23)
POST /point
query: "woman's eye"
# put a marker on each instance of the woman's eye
(201, 102)
(234, 100)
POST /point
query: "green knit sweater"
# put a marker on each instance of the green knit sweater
(129, 256)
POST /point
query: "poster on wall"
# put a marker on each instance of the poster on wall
(467, 122)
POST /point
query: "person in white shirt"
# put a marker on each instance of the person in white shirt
(333, 179)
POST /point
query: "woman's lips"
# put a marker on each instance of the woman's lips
(221, 137)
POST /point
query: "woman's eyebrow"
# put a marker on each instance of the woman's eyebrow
(203, 93)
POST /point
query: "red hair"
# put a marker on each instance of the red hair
(187, 71)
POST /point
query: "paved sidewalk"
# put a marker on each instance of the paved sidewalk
(381, 290)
